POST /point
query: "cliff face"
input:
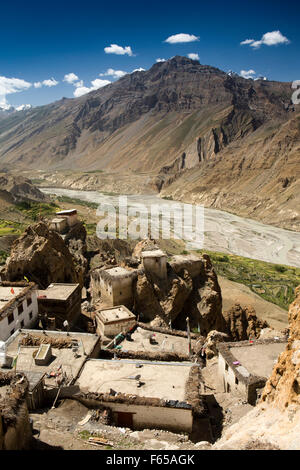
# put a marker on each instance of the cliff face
(283, 387)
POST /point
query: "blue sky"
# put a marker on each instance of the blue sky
(41, 41)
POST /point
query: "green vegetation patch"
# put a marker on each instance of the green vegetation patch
(8, 227)
(274, 283)
(33, 210)
(3, 257)
(90, 228)
(80, 202)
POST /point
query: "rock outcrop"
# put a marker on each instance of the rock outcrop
(204, 304)
(17, 189)
(42, 256)
(241, 323)
(161, 302)
(283, 387)
(190, 290)
(212, 339)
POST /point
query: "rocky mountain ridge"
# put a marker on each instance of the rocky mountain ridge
(180, 94)
(189, 131)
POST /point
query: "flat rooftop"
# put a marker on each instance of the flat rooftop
(153, 254)
(162, 380)
(117, 272)
(64, 357)
(165, 342)
(115, 314)
(67, 212)
(6, 294)
(58, 291)
(259, 359)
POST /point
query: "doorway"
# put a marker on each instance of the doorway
(125, 419)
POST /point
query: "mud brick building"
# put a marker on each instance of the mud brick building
(155, 262)
(115, 286)
(60, 302)
(114, 320)
(245, 366)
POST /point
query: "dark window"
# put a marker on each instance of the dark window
(226, 366)
(29, 301)
(20, 309)
(12, 331)
(10, 318)
(236, 381)
(30, 315)
(22, 324)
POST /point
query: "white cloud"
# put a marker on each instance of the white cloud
(193, 56)
(119, 50)
(182, 37)
(247, 73)
(9, 86)
(113, 73)
(78, 84)
(96, 84)
(272, 38)
(161, 60)
(12, 85)
(37, 84)
(138, 70)
(247, 41)
(70, 78)
(82, 90)
(50, 82)
(23, 107)
(4, 104)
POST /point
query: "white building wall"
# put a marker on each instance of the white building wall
(157, 266)
(229, 379)
(113, 329)
(172, 419)
(116, 291)
(29, 316)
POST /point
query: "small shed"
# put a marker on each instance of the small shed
(69, 215)
(59, 224)
(36, 391)
(115, 320)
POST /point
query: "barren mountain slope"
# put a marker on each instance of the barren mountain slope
(144, 121)
(190, 130)
(256, 177)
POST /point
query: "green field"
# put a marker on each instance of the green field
(274, 283)
(33, 210)
(7, 227)
(71, 200)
